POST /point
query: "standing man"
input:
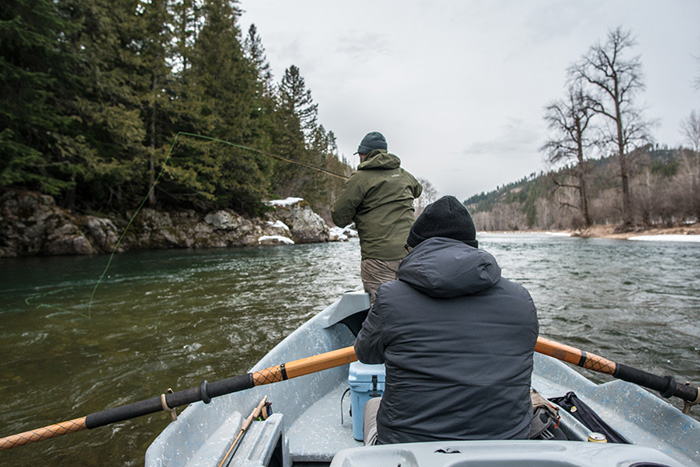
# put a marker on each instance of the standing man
(457, 340)
(379, 199)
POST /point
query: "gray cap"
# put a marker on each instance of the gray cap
(371, 141)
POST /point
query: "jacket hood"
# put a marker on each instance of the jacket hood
(443, 267)
(380, 159)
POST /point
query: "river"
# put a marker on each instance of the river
(169, 319)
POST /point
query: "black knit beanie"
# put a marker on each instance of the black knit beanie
(446, 217)
(371, 141)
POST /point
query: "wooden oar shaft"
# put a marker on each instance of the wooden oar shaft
(51, 431)
(575, 356)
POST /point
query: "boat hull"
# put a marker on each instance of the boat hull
(311, 422)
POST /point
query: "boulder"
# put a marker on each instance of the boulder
(305, 225)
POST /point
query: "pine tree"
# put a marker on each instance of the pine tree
(35, 72)
(107, 111)
(155, 52)
(296, 99)
(221, 102)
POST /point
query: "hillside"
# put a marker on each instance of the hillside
(663, 182)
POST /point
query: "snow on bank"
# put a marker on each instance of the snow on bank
(666, 238)
(342, 234)
(276, 238)
(284, 202)
(558, 234)
(278, 225)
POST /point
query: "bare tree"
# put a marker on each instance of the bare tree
(429, 195)
(615, 82)
(569, 119)
(691, 131)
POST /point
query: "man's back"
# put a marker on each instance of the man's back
(458, 342)
(379, 199)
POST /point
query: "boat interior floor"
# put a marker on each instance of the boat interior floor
(322, 430)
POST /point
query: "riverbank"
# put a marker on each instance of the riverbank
(31, 224)
(609, 231)
(686, 233)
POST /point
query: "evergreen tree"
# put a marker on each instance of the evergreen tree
(221, 100)
(154, 52)
(36, 73)
(295, 124)
(107, 112)
(295, 99)
(264, 104)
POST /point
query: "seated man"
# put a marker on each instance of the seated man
(457, 339)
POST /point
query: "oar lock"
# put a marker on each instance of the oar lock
(687, 405)
(203, 395)
(164, 404)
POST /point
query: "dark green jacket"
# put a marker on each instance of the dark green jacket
(379, 199)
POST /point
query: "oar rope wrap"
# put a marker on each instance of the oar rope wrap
(40, 434)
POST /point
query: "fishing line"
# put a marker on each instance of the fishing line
(153, 186)
(276, 156)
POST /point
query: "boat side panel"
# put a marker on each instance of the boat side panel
(206, 424)
(639, 416)
(502, 454)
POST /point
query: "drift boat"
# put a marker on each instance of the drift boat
(316, 418)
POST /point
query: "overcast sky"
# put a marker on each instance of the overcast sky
(459, 87)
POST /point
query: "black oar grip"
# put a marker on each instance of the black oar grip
(666, 385)
(188, 396)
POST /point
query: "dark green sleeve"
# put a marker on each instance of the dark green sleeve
(345, 207)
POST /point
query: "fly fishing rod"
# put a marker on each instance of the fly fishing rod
(666, 385)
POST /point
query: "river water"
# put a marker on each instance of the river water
(169, 319)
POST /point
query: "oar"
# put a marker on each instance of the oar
(665, 385)
(204, 392)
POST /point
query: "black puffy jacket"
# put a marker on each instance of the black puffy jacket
(458, 343)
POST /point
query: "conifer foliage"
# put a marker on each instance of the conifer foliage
(95, 91)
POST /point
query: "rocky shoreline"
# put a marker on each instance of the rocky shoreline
(31, 224)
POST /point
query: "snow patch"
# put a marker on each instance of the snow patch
(276, 238)
(278, 225)
(284, 202)
(341, 234)
(666, 238)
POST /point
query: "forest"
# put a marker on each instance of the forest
(102, 101)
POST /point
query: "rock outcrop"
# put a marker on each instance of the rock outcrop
(32, 224)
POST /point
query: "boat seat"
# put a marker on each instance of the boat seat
(261, 443)
(351, 310)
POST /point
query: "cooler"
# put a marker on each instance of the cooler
(365, 381)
